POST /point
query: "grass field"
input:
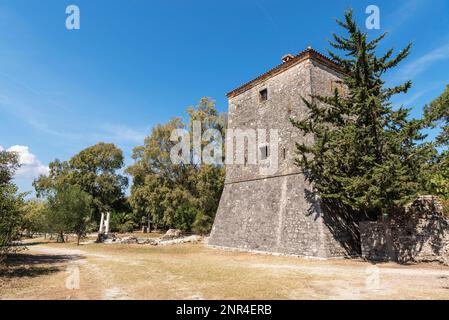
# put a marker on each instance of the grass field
(51, 271)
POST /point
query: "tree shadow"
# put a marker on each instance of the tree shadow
(31, 244)
(26, 265)
(416, 233)
(343, 224)
(340, 220)
(420, 232)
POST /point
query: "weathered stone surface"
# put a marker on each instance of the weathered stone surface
(373, 242)
(152, 241)
(278, 213)
(189, 239)
(418, 234)
(156, 241)
(172, 234)
(129, 240)
(106, 238)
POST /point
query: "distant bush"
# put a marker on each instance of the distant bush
(203, 224)
(185, 217)
(123, 222)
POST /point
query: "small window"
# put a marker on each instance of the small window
(263, 95)
(284, 153)
(264, 153)
(337, 84)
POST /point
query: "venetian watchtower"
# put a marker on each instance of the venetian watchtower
(278, 212)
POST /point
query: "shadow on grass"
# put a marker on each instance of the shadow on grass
(34, 243)
(26, 265)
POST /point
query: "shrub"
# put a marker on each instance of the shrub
(123, 222)
(203, 224)
(185, 217)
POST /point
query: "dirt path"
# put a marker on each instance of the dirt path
(197, 272)
(105, 279)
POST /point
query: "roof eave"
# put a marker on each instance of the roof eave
(307, 54)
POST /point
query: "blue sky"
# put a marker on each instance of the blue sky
(137, 63)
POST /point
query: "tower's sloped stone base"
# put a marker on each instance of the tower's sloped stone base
(278, 215)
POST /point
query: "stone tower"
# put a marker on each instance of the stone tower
(278, 212)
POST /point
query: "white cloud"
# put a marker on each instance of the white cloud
(421, 64)
(406, 11)
(31, 166)
(121, 134)
(426, 60)
(411, 99)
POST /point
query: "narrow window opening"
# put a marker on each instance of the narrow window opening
(263, 95)
(284, 153)
(264, 153)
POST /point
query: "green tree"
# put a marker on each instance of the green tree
(9, 163)
(123, 222)
(184, 217)
(202, 224)
(171, 194)
(10, 203)
(365, 153)
(153, 174)
(33, 217)
(59, 173)
(95, 171)
(69, 209)
(437, 117)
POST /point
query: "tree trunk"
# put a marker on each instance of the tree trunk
(61, 237)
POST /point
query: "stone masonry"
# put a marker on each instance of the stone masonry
(279, 213)
(418, 234)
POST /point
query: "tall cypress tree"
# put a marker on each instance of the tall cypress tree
(365, 154)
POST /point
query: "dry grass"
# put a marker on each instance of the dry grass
(198, 272)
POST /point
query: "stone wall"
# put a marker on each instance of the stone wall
(418, 234)
(273, 215)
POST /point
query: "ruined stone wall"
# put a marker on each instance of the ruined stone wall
(278, 213)
(418, 234)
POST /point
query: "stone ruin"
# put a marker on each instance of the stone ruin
(171, 237)
(420, 233)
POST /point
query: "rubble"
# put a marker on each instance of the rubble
(172, 237)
